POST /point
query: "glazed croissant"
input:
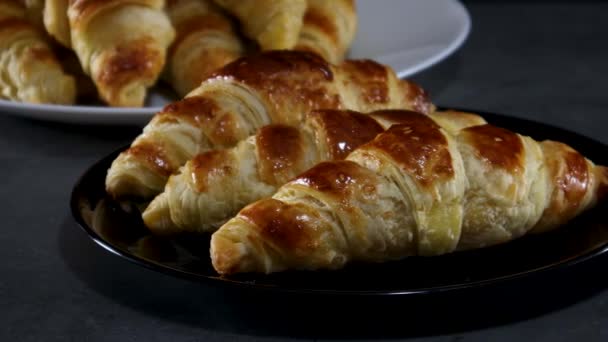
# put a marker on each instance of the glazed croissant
(271, 87)
(328, 28)
(30, 71)
(205, 41)
(273, 24)
(121, 44)
(215, 185)
(416, 189)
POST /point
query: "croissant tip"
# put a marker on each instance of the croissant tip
(157, 216)
(225, 254)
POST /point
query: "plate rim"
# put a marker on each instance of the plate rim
(252, 285)
(105, 115)
(448, 50)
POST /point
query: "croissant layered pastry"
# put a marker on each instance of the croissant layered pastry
(121, 44)
(273, 24)
(214, 185)
(328, 28)
(125, 46)
(277, 87)
(205, 41)
(30, 71)
(416, 189)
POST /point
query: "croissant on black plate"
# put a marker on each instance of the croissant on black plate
(272, 87)
(416, 189)
(215, 185)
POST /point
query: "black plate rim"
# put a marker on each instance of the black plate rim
(247, 285)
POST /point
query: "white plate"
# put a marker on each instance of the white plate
(408, 35)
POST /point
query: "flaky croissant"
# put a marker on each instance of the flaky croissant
(30, 71)
(274, 24)
(121, 44)
(328, 28)
(205, 41)
(215, 185)
(416, 189)
(271, 87)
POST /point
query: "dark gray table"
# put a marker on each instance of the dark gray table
(546, 62)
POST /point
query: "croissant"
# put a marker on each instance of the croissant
(273, 24)
(121, 44)
(56, 22)
(253, 91)
(30, 71)
(416, 189)
(215, 185)
(205, 41)
(328, 28)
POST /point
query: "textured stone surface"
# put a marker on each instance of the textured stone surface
(545, 62)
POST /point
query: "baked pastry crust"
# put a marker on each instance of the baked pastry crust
(205, 41)
(416, 189)
(30, 71)
(121, 44)
(328, 28)
(254, 91)
(273, 24)
(213, 186)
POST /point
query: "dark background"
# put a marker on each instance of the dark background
(545, 61)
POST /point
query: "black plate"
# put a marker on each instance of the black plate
(122, 232)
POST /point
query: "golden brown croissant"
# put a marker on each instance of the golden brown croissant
(414, 190)
(51, 17)
(29, 71)
(328, 28)
(271, 87)
(215, 185)
(205, 41)
(274, 24)
(121, 44)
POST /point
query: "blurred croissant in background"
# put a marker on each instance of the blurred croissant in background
(30, 69)
(116, 50)
(328, 28)
(122, 45)
(273, 24)
(206, 40)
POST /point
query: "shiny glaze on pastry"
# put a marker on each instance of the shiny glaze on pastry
(276, 87)
(199, 198)
(416, 189)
